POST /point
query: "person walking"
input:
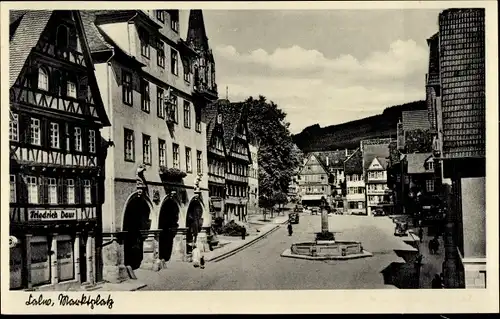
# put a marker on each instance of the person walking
(421, 234)
(290, 228)
(202, 262)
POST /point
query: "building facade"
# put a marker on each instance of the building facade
(156, 182)
(216, 154)
(375, 161)
(334, 162)
(253, 179)
(460, 147)
(355, 184)
(313, 181)
(238, 159)
(56, 167)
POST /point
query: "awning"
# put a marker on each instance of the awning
(311, 197)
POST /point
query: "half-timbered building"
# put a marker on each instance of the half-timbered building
(56, 114)
(234, 117)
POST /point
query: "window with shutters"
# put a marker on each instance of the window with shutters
(144, 38)
(127, 88)
(78, 139)
(146, 149)
(129, 145)
(174, 20)
(199, 166)
(70, 191)
(187, 114)
(32, 184)
(35, 132)
(13, 188)
(43, 79)
(187, 71)
(14, 128)
(175, 153)
(54, 135)
(160, 15)
(198, 122)
(160, 54)
(188, 160)
(175, 102)
(52, 189)
(160, 104)
(87, 191)
(145, 98)
(429, 185)
(91, 141)
(71, 89)
(174, 63)
(162, 153)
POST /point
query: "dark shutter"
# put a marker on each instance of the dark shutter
(26, 123)
(70, 134)
(64, 191)
(44, 133)
(60, 197)
(78, 190)
(62, 136)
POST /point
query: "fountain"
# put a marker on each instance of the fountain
(325, 247)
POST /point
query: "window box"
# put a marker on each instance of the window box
(172, 173)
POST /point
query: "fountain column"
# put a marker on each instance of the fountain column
(324, 219)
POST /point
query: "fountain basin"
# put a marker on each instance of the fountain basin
(327, 250)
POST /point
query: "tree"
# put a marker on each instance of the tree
(418, 141)
(278, 156)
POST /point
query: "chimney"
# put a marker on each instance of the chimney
(327, 161)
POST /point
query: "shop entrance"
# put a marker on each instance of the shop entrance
(136, 219)
(168, 223)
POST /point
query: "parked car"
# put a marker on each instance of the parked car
(314, 210)
(293, 218)
(378, 212)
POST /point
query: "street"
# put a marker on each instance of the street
(260, 266)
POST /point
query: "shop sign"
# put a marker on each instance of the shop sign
(52, 214)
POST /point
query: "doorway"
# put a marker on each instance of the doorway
(168, 223)
(136, 219)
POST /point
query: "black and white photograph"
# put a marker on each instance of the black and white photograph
(203, 148)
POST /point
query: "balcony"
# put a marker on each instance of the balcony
(378, 191)
(237, 178)
(240, 156)
(204, 89)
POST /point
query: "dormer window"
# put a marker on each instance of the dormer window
(62, 36)
(43, 79)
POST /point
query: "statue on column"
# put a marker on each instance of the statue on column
(140, 180)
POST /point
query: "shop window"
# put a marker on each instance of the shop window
(65, 258)
(40, 261)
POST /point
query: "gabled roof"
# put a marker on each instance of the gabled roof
(381, 151)
(354, 163)
(416, 162)
(381, 160)
(30, 27)
(210, 112)
(95, 39)
(415, 120)
(25, 37)
(231, 117)
(306, 161)
(335, 159)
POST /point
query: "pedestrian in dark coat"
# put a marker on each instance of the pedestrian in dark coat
(436, 282)
(421, 234)
(290, 229)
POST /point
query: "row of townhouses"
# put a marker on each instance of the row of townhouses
(120, 152)
(352, 181)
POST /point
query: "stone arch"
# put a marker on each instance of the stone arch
(168, 222)
(195, 220)
(136, 218)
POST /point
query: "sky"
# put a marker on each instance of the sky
(321, 67)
